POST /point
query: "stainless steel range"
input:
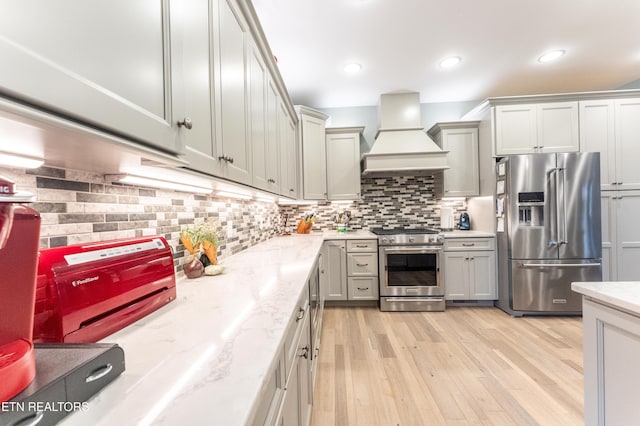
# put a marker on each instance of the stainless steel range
(410, 269)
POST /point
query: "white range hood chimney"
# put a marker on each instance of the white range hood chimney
(402, 147)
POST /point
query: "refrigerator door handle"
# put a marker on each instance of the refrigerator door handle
(562, 211)
(552, 214)
(559, 265)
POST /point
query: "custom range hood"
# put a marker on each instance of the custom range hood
(402, 147)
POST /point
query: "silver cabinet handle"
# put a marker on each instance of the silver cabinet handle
(363, 288)
(300, 315)
(186, 123)
(99, 373)
(362, 245)
(468, 244)
(362, 264)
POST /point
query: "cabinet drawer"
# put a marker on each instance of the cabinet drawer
(466, 244)
(363, 288)
(354, 246)
(362, 264)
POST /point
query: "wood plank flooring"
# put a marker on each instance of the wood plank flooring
(463, 366)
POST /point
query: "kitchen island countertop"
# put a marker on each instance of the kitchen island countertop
(622, 295)
(203, 358)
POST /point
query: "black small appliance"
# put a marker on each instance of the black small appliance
(464, 224)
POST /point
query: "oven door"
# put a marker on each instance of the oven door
(410, 271)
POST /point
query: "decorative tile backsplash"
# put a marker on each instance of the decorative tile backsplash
(79, 207)
(399, 201)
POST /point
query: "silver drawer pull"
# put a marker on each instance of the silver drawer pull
(363, 288)
(99, 373)
(362, 245)
(362, 264)
(468, 244)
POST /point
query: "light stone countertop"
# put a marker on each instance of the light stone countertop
(622, 295)
(349, 235)
(203, 358)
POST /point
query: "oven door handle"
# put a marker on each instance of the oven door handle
(411, 250)
(414, 299)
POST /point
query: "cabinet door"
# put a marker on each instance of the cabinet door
(597, 134)
(611, 370)
(463, 178)
(288, 153)
(304, 375)
(482, 275)
(627, 143)
(102, 63)
(336, 272)
(314, 163)
(608, 212)
(231, 99)
(195, 17)
(515, 129)
(628, 235)
(456, 275)
(257, 116)
(558, 127)
(343, 166)
(274, 178)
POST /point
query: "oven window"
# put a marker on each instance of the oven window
(413, 270)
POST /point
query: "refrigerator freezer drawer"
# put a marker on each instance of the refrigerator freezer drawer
(545, 286)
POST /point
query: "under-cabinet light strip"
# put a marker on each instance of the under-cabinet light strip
(20, 161)
(156, 183)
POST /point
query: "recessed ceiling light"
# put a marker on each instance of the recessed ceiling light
(551, 56)
(352, 68)
(450, 62)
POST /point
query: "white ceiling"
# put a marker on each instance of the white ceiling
(401, 42)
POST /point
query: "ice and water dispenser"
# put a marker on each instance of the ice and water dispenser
(531, 208)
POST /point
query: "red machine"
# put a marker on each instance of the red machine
(19, 240)
(87, 291)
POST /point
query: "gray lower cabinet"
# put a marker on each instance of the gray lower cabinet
(351, 270)
(611, 368)
(470, 269)
(286, 396)
(107, 64)
(335, 276)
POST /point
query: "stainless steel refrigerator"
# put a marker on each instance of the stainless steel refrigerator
(549, 232)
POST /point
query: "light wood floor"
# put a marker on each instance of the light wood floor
(462, 366)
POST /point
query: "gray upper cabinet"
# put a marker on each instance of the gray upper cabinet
(343, 163)
(314, 153)
(107, 64)
(230, 57)
(264, 104)
(462, 179)
(288, 153)
(196, 29)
